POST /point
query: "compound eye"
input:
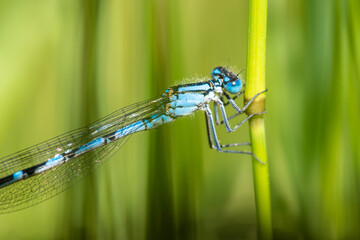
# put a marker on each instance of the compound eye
(234, 87)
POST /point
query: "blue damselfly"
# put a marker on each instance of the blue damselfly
(40, 172)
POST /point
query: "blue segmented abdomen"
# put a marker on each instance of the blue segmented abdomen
(12, 178)
(141, 125)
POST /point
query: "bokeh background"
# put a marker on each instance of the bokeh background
(66, 63)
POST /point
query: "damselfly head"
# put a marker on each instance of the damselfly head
(231, 83)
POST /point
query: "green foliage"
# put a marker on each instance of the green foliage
(64, 63)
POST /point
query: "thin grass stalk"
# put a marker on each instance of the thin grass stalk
(160, 205)
(255, 83)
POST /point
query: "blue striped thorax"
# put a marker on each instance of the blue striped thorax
(230, 82)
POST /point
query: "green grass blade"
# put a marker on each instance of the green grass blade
(255, 84)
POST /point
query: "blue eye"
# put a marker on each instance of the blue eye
(234, 87)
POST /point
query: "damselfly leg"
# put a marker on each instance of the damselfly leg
(217, 118)
(214, 141)
(233, 98)
(234, 105)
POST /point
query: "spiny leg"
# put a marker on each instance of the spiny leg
(216, 110)
(233, 98)
(240, 111)
(226, 121)
(236, 107)
(217, 118)
(208, 130)
(211, 128)
(235, 145)
(210, 140)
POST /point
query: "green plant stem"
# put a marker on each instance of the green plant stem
(255, 83)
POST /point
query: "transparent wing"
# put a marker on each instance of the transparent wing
(38, 188)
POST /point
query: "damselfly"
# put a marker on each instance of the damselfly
(40, 172)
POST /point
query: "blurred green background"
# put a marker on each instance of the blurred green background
(66, 63)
